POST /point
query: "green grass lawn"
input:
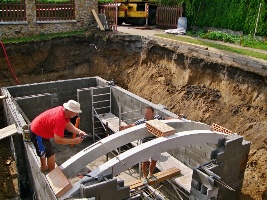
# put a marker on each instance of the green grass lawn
(216, 46)
(43, 37)
(262, 46)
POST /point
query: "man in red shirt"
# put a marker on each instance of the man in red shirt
(51, 124)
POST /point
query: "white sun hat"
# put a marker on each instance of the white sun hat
(72, 106)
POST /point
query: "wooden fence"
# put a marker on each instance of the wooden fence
(12, 11)
(109, 11)
(167, 16)
(55, 11)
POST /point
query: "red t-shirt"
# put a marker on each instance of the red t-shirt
(50, 122)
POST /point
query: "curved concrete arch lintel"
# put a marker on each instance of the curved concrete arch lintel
(144, 151)
(91, 153)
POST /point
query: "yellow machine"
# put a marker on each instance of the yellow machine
(136, 11)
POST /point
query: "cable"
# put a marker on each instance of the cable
(9, 65)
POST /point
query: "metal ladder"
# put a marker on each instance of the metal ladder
(96, 109)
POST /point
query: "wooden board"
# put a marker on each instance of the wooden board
(98, 20)
(159, 129)
(161, 176)
(184, 179)
(8, 131)
(112, 120)
(58, 182)
(218, 128)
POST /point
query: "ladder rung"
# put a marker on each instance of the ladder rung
(100, 94)
(102, 108)
(101, 101)
(98, 128)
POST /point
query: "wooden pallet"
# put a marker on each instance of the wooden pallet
(58, 182)
(218, 128)
(161, 176)
(159, 129)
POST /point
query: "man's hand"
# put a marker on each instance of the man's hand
(180, 116)
(122, 128)
(82, 133)
(77, 140)
(125, 127)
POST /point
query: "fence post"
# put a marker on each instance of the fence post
(147, 13)
(256, 26)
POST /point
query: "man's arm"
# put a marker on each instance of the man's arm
(61, 140)
(127, 126)
(71, 128)
(180, 116)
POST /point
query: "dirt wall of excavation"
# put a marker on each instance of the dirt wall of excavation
(204, 89)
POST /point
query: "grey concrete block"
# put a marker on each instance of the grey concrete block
(196, 184)
(244, 149)
(121, 193)
(88, 82)
(192, 155)
(193, 164)
(183, 48)
(233, 142)
(207, 148)
(240, 61)
(227, 58)
(204, 52)
(203, 179)
(96, 190)
(196, 195)
(214, 55)
(254, 64)
(199, 152)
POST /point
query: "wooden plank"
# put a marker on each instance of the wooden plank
(185, 177)
(161, 176)
(58, 182)
(112, 120)
(8, 131)
(98, 20)
(159, 128)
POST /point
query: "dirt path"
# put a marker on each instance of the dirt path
(151, 32)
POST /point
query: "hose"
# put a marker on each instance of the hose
(9, 65)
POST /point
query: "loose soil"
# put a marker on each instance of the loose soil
(8, 173)
(205, 90)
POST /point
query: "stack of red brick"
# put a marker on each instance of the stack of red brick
(159, 128)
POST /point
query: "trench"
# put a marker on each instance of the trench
(205, 90)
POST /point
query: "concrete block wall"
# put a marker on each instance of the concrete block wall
(38, 97)
(52, 87)
(34, 105)
(230, 159)
(38, 180)
(194, 155)
(133, 105)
